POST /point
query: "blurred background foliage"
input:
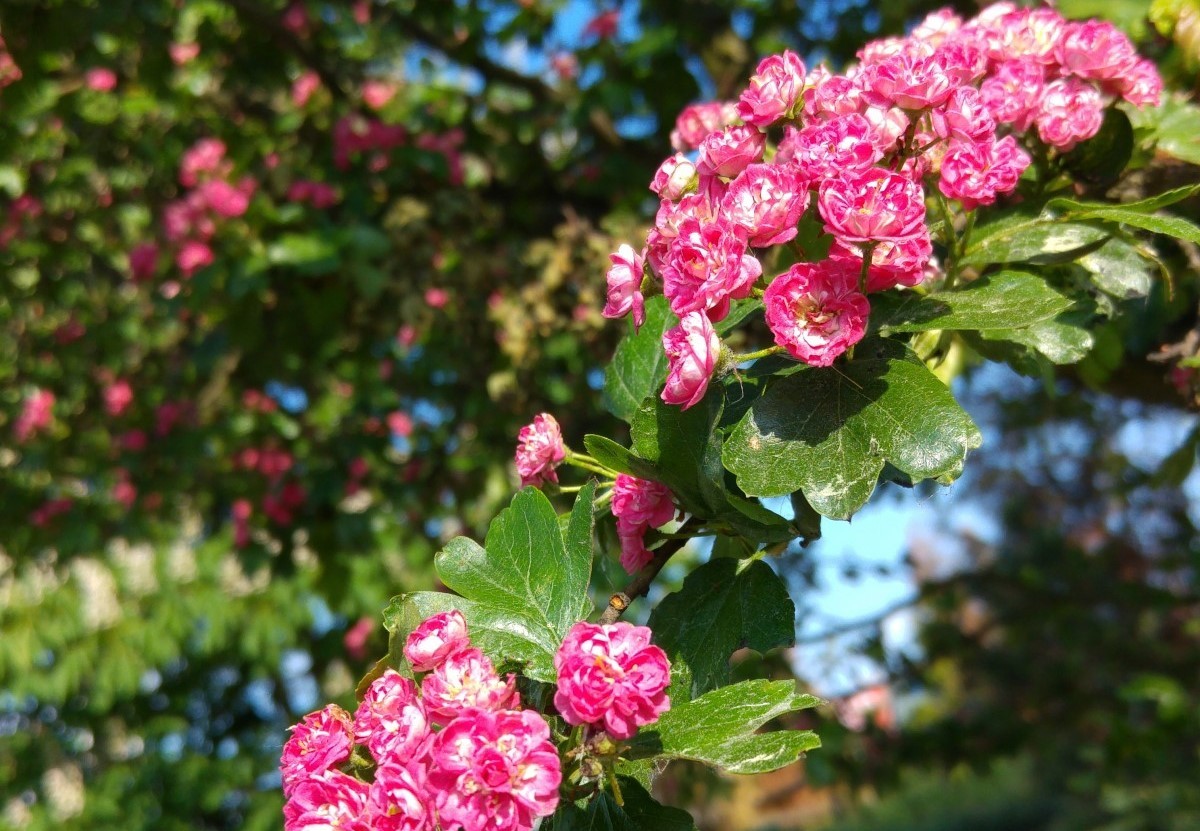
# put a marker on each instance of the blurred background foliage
(280, 383)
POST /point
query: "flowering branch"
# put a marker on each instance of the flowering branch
(640, 584)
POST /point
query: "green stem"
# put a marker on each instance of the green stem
(864, 272)
(616, 788)
(590, 464)
(754, 356)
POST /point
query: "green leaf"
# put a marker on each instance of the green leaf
(1099, 161)
(1145, 206)
(641, 812)
(718, 729)
(1174, 127)
(1117, 268)
(828, 431)
(997, 301)
(677, 442)
(522, 591)
(639, 364)
(1026, 238)
(612, 455)
(308, 253)
(719, 610)
(1171, 226)
(1061, 340)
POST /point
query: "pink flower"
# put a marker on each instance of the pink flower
(304, 87)
(1142, 85)
(1069, 112)
(376, 94)
(1013, 92)
(638, 505)
(193, 256)
(936, 27)
(495, 771)
(143, 261)
(225, 199)
(603, 25)
(466, 680)
(540, 449)
(400, 423)
(705, 267)
(100, 79)
(326, 803)
(674, 177)
(295, 19)
(203, 157)
(911, 81)
(436, 639)
(117, 397)
(825, 149)
(391, 720)
(893, 262)
(9, 71)
(774, 90)
(133, 441)
(398, 799)
(611, 677)
(815, 310)
(874, 204)
(964, 117)
(976, 173)
(320, 741)
(436, 298)
(565, 65)
(695, 122)
(1095, 50)
(692, 350)
(124, 493)
(625, 286)
(36, 415)
(765, 202)
(355, 639)
(830, 95)
(183, 53)
(728, 152)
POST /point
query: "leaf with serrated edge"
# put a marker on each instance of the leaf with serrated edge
(828, 431)
(718, 729)
(1003, 300)
(520, 594)
(719, 610)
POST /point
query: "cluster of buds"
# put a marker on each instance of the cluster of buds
(957, 106)
(455, 749)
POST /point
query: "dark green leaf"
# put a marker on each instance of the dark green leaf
(677, 442)
(612, 455)
(1100, 160)
(641, 812)
(1118, 269)
(1026, 238)
(718, 728)
(828, 432)
(1061, 340)
(997, 301)
(721, 609)
(639, 365)
(522, 592)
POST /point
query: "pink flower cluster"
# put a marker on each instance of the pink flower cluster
(540, 450)
(9, 71)
(191, 222)
(610, 677)
(949, 106)
(36, 415)
(455, 752)
(639, 505)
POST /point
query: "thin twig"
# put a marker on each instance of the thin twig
(640, 584)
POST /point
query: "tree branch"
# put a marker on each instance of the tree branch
(640, 584)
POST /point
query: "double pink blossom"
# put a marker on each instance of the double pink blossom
(625, 286)
(494, 771)
(764, 203)
(774, 90)
(975, 173)
(674, 177)
(319, 742)
(815, 310)
(730, 151)
(540, 449)
(328, 802)
(1070, 110)
(436, 639)
(611, 677)
(825, 149)
(463, 681)
(639, 505)
(391, 719)
(707, 266)
(397, 800)
(874, 204)
(692, 350)
(697, 121)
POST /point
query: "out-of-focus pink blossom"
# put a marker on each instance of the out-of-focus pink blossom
(192, 256)
(203, 158)
(603, 25)
(376, 93)
(100, 79)
(611, 677)
(183, 53)
(695, 122)
(540, 449)
(143, 262)
(117, 397)
(36, 415)
(355, 639)
(9, 71)
(304, 87)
